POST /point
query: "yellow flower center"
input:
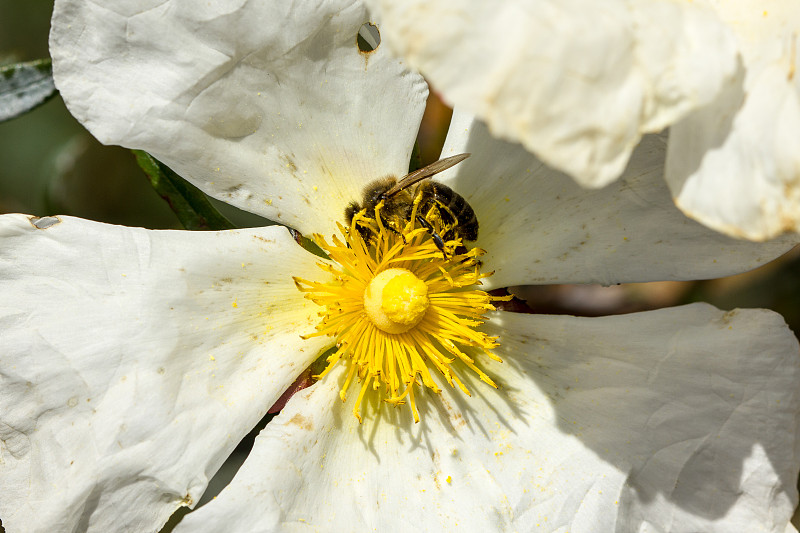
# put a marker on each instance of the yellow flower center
(396, 300)
(400, 311)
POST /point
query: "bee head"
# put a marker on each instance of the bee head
(376, 191)
(350, 211)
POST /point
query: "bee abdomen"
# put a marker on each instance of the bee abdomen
(467, 221)
(454, 209)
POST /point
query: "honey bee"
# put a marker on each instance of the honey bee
(398, 197)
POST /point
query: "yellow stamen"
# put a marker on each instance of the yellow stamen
(400, 311)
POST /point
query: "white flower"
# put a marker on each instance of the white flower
(133, 361)
(578, 82)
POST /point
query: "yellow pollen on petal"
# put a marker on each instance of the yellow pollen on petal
(403, 314)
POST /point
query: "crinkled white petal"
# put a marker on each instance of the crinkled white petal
(575, 81)
(269, 106)
(538, 226)
(735, 164)
(679, 420)
(134, 361)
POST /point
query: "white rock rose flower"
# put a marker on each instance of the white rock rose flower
(134, 361)
(578, 82)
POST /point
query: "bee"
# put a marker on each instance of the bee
(398, 197)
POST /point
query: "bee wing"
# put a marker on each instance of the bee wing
(425, 172)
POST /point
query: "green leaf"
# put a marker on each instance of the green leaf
(416, 161)
(188, 202)
(307, 243)
(25, 86)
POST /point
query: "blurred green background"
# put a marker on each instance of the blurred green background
(51, 165)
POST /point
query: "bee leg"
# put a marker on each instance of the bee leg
(441, 206)
(437, 239)
(388, 225)
(402, 235)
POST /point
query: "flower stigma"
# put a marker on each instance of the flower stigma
(396, 300)
(400, 309)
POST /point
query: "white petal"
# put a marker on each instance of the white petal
(575, 81)
(539, 227)
(679, 420)
(269, 106)
(134, 361)
(735, 164)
